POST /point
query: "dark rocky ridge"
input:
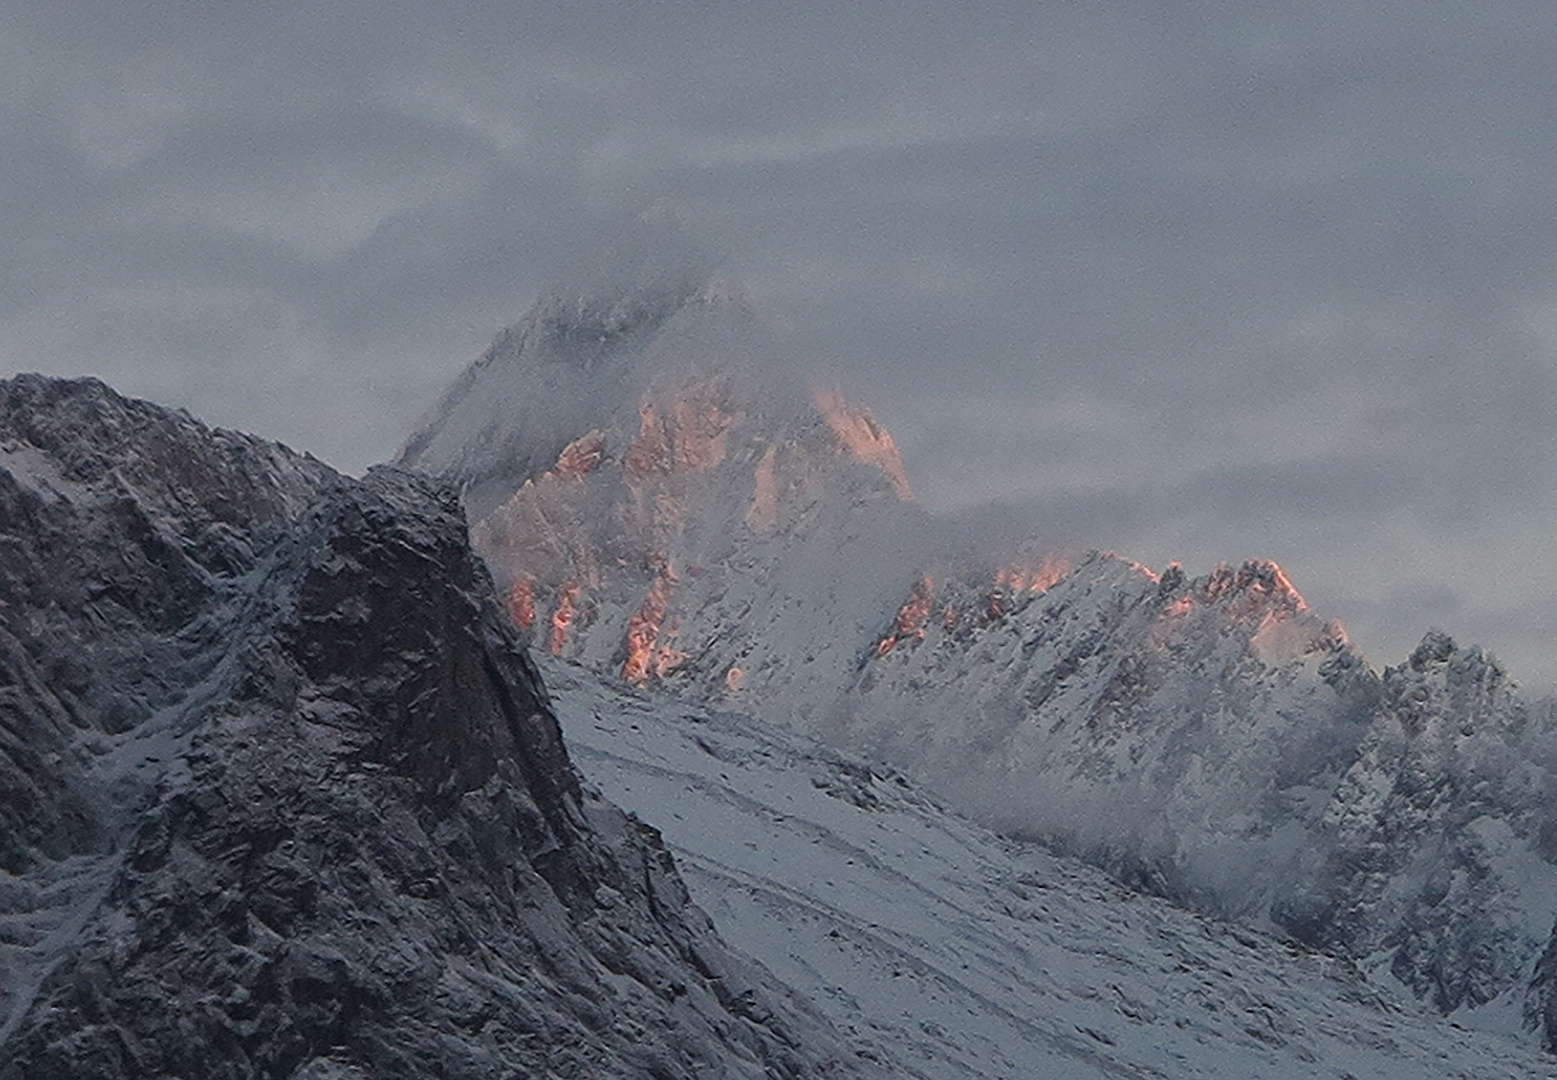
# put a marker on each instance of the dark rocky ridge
(281, 795)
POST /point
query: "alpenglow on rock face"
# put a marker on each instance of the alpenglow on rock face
(1180, 731)
(685, 512)
(1211, 740)
(280, 795)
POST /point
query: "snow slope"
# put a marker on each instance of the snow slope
(954, 953)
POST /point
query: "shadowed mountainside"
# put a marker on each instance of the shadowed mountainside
(282, 796)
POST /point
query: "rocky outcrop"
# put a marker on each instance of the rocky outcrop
(1439, 834)
(129, 533)
(579, 357)
(283, 796)
(1213, 741)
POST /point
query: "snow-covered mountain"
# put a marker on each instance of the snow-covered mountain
(1184, 732)
(281, 795)
(1441, 839)
(1213, 741)
(706, 529)
(705, 519)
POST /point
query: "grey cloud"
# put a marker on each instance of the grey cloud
(1199, 282)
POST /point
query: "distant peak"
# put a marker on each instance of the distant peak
(1437, 651)
(31, 394)
(584, 326)
(653, 254)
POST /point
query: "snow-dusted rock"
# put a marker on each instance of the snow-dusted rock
(284, 797)
(1213, 741)
(1439, 838)
(703, 521)
(1183, 732)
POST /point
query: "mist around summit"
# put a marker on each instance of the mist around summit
(1264, 281)
(1052, 585)
(716, 532)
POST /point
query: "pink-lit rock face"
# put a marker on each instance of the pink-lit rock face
(966, 599)
(708, 464)
(911, 617)
(647, 656)
(1039, 576)
(739, 541)
(733, 680)
(581, 456)
(521, 603)
(700, 427)
(562, 617)
(1258, 582)
(687, 434)
(608, 438)
(863, 437)
(650, 453)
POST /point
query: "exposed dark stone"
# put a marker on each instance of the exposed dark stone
(292, 798)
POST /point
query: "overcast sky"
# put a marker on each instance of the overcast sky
(1188, 281)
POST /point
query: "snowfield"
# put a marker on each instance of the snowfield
(951, 953)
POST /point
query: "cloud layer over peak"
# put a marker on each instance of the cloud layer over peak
(1206, 284)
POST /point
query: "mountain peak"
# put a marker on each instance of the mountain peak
(1436, 647)
(665, 509)
(635, 452)
(573, 326)
(1257, 578)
